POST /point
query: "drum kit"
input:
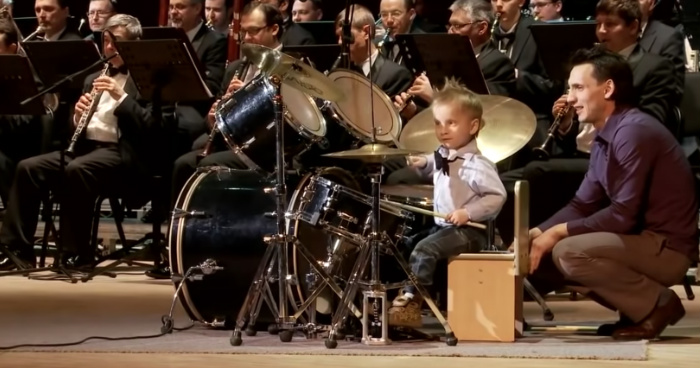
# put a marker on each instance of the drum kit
(244, 231)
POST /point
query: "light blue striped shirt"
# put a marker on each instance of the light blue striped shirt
(473, 184)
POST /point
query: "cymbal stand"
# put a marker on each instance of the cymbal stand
(276, 254)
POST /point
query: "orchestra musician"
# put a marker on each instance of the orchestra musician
(534, 88)
(630, 232)
(261, 24)
(112, 152)
(547, 10)
(293, 34)
(52, 16)
(307, 10)
(20, 135)
(397, 18)
(660, 39)
(554, 182)
(98, 13)
(217, 13)
(392, 78)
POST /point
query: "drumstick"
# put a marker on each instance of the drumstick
(428, 213)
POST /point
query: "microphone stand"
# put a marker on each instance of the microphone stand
(347, 37)
(58, 265)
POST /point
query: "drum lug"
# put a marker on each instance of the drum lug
(179, 213)
(270, 190)
(349, 218)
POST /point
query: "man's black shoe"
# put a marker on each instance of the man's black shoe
(159, 273)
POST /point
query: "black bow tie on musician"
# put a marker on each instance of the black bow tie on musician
(105, 83)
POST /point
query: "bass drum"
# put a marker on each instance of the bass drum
(223, 214)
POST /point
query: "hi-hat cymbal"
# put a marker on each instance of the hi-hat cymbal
(372, 153)
(293, 72)
(508, 126)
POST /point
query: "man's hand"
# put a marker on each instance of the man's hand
(458, 217)
(81, 107)
(543, 243)
(211, 119)
(532, 234)
(422, 88)
(234, 86)
(409, 110)
(109, 85)
(559, 106)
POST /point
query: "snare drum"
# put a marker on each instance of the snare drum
(354, 112)
(346, 212)
(247, 123)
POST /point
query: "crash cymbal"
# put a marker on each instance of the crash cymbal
(293, 72)
(372, 153)
(508, 126)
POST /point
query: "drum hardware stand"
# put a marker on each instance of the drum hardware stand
(279, 245)
(206, 268)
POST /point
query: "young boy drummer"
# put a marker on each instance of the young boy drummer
(466, 188)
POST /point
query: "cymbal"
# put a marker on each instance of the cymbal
(293, 72)
(372, 153)
(508, 126)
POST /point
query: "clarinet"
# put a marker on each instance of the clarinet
(542, 152)
(85, 118)
(215, 130)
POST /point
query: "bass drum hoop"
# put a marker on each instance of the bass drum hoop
(183, 200)
(293, 204)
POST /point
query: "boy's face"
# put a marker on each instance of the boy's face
(454, 127)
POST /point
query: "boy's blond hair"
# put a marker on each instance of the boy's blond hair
(458, 94)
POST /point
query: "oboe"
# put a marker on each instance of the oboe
(215, 130)
(95, 96)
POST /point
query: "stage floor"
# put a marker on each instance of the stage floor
(31, 308)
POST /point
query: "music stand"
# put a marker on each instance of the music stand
(442, 56)
(164, 72)
(322, 30)
(76, 55)
(172, 33)
(16, 84)
(557, 46)
(323, 56)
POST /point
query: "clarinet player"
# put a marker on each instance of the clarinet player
(111, 152)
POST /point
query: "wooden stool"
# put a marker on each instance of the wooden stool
(485, 290)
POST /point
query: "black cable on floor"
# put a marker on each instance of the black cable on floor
(166, 329)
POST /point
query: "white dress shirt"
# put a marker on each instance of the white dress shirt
(472, 184)
(367, 64)
(103, 125)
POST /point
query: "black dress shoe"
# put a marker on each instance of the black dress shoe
(667, 313)
(79, 263)
(609, 328)
(159, 273)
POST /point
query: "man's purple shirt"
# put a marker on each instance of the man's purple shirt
(638, 179)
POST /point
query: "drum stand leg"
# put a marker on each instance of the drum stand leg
(377, 291)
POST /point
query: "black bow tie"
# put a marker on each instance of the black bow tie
(442, 163)
(500, 36)
(112, 71)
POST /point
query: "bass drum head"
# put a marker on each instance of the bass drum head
(226, 223)
(334, 253)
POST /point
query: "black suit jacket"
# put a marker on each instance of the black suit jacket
(657, 87)
(140, 133)
(392, 78)
(387, 48)
(665, 41)
(533, 85)
(211, 48)
(295, 34)
(69, 35)
(498, 71)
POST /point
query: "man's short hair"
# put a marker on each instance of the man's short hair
(627, 10)
(113, 3)
(316, 4)
(272, 15)
(129, 23)
(8, 32)
(608, 65)
(458, 94)
(360, 16)
(478, 10)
